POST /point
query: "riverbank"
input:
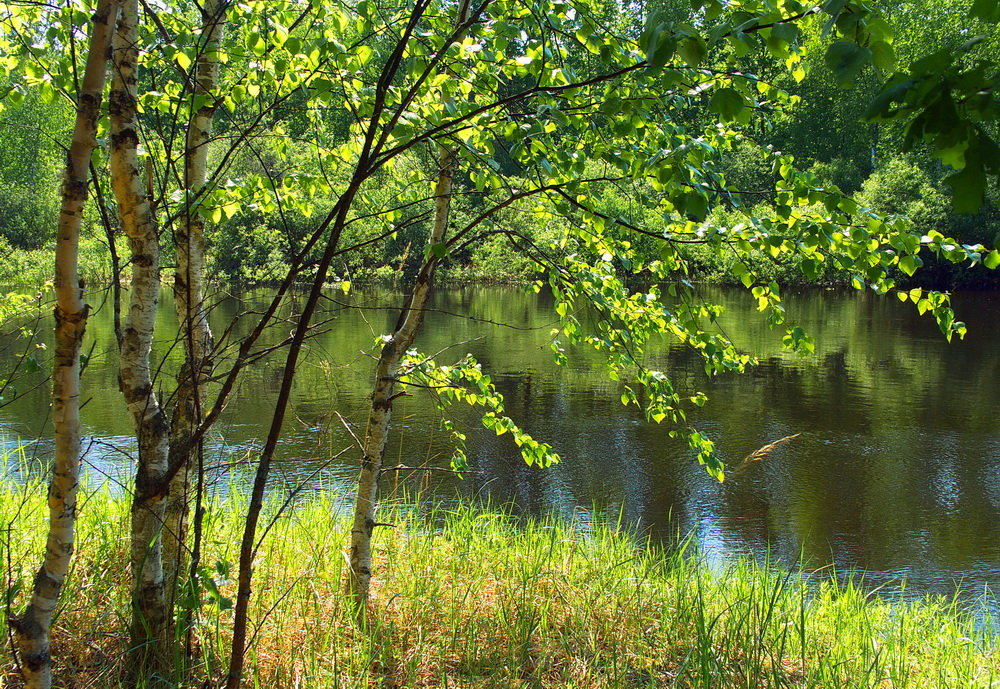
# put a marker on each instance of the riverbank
(473, 598)
(494, 267)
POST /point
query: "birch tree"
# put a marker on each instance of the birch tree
(392, 352)
(189, 290)
(33, 627)
(150, 613)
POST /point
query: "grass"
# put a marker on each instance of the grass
(469, 597)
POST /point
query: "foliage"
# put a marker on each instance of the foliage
(29, 168)
(306, 125)
(842, 172)
(253, 247)
(900, 187)
(34, 267)
(465, 382)
(948, 98)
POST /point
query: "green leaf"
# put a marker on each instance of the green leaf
(696, 206)
(883, 55)
(909, 264)
(258, 45)
(727, 103)
(881, 106)
(987, 10)
(661, 48)
(968, 186)
(810, 267)
(786, 31)
(781, 37)
(693, 50)
(992, 259)
(934, 63)
(438, 250)
(846, 59)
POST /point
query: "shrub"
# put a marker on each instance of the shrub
(901, 187)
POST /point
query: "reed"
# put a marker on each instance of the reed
(468, 596)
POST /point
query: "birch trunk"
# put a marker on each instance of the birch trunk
(32, 628)
(149, 609)
(386, 373)
(189, 296)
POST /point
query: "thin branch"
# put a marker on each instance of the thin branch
(403, 467)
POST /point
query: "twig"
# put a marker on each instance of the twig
(347, 426)
(760, 454)
(404, 467)
(767, 449)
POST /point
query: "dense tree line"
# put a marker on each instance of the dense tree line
(826, 130)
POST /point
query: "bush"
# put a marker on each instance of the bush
(28, 215)
(839, 171)
(901, 187)
(749, 173)
(253, 248)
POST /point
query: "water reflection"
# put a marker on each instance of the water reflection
(896, 470)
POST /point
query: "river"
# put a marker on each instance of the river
(896, 471)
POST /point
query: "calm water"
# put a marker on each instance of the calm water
(897, 470)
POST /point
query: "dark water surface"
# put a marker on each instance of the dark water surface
(896, 471)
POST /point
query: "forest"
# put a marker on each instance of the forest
(614, 157)
(826, 132)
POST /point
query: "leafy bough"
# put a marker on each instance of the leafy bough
(465, 382)
(593, 271)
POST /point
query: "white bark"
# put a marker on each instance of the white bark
(387, 371)
(33, 627)
(189, 293)
(149, 609)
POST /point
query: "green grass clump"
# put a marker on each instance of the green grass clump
(469, 597)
